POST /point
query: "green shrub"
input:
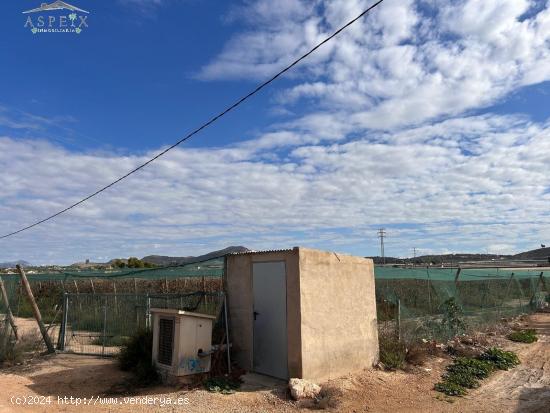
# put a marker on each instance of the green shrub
(465, 372)
(462, 377)
(223, 385)
(524, 336)
(502, 360)
(453, 318)
(451, 323)
(450, 389)
(392, 351)
(136, 356)
(480, 369)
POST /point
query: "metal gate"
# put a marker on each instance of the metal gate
(99, 324)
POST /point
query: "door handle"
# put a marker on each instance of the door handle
(256, 314)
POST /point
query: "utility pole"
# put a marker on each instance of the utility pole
(382, 235)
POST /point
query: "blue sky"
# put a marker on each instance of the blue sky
(130, 80)
(428, 118)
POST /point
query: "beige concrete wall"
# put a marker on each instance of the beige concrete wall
(338, 314)
(331, 311)
(240, 305)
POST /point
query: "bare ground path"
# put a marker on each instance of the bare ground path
(523, 389)
(527, 387)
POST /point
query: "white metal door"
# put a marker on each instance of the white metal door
(270, 335)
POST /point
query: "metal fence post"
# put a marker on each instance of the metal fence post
(520, 289)
(532, 302)
(506, 295)
(429, 291)
(104, 327)
(399, 319)
(457, 275)
(227, 341)
(115, 295)
(148, 312)
(63, 328)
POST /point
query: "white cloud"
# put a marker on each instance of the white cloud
(404, 64)
(389, 140)
(420, 182)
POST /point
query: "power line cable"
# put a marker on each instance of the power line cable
(200, 128)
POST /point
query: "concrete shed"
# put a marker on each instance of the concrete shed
(302, 313)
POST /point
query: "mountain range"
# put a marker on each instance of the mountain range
(163, 260)
(536, 254)
(13, 264)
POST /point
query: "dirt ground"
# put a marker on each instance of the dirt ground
(523, 389)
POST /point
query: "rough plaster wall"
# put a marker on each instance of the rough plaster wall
(239, 300)
(293, 317)
(338, 314)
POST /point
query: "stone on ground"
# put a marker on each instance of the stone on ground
(303, 389)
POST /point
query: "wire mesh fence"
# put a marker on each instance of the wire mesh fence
(101, 309)
(205, 268)
(116, 299)
(437, 305)
(99, 324)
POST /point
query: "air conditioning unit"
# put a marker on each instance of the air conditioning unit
(182, 342)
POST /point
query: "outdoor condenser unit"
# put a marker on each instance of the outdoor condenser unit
(182, 341)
